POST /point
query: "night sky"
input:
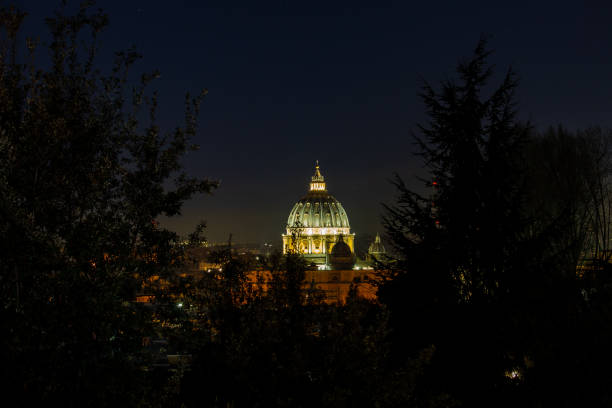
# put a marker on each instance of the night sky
(293, 82)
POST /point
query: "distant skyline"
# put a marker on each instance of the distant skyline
(290, 83)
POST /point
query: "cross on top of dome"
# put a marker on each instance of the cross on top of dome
(318, 182)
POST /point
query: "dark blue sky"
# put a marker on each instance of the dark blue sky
(292, 82)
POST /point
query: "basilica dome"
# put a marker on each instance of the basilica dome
(319, 210)
(316, 222)
(341, 256)
(341, 250)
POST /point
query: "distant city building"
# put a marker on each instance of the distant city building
(316, 224)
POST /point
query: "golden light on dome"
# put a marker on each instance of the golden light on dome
(317, 186)
(316, 222)
(317, 181)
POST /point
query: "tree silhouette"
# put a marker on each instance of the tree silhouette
(459, 247)
(82, 181)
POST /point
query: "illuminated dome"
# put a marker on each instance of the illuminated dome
(376, 247)
(318, 209)
(318, 219)
(376, 252)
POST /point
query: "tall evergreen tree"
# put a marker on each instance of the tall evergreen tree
(459, 244)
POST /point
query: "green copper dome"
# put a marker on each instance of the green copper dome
(318, 208)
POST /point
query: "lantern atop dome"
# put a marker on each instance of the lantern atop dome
(317, 182)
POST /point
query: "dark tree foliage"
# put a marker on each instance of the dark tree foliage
(569, 324)
(459, 245)
(82, 181)
(269, 342)
(569, 185)
(504, 266)
(259, 335)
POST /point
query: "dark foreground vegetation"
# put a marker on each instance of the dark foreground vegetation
(498, 293)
